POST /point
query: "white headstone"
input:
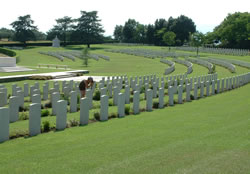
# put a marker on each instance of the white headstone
(61, 114)
(84, 111)
(34, 119)
(136, 102)
(104, 108)
(149, 105)
(121, 105)
(14, 108)
(4, 124)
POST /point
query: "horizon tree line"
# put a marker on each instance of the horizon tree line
(233, 32)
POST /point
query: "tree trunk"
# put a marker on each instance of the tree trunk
(197, 51)
(88, 45)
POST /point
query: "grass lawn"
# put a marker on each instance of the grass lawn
(119, 64)
(210, 135)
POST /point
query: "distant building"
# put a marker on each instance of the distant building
(56, 42)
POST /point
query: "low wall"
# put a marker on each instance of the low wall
(7, 62)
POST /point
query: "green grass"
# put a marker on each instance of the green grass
(119, 64)
(210, 135)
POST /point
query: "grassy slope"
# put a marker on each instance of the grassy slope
(206, 136)
(120, 64)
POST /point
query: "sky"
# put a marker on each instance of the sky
(205, 14)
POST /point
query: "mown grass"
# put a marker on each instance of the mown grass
(210, 135)
(119, 64)
(205, 136)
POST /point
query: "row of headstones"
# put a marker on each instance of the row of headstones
(35, 89)
(68, 87)
(225, 64)
(171, 64)
(35, 117)
(201, 62)
(188, 64)
(237, 52)
(61, 114)
(17, 100)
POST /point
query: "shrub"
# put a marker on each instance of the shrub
(166, 85)
(142, 90)
(191, 97)
(45, 113)
(46, 126)
(127, 110)
(110, 103)
(97, 95)
(8, 52)
(97, 116)
(155, 104)
(18, 59)
(24, 116)
(40, 78)
(73, 123)
(48, 105)
(18, 133)
(113, 115)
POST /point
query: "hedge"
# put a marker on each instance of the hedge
(8, 52)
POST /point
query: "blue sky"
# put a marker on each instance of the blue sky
(205, 14)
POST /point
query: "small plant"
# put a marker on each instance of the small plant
(166, 85)
(48, 105)
(73, 123)
(24, 116)
(191, 97)
(142, 90)
(85, 56)
(111, 103)
(18, 59)
(131, 99)
(127, 109)
(155, 104)
(46, 126)
(45, 113)
(97, 95)
(97, 116)
(113, 115)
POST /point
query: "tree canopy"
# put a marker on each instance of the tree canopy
(88, 28)
(24, 28)
(134, 32)
(234, 31)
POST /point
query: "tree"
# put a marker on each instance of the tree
(64, 25)
(129, 31)
(88, 28)
(39, 35)
(140, 34)
(150, 34)
(160, 29)
(169, 38)
(197, 39)
(6, 33)
(234, 31)
(85, 56)
(182, 26)
(118, 33)
(23, 28)
(159, 36)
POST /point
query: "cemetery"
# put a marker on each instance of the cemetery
(111, 96)
(164, 83)
(167, 86)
